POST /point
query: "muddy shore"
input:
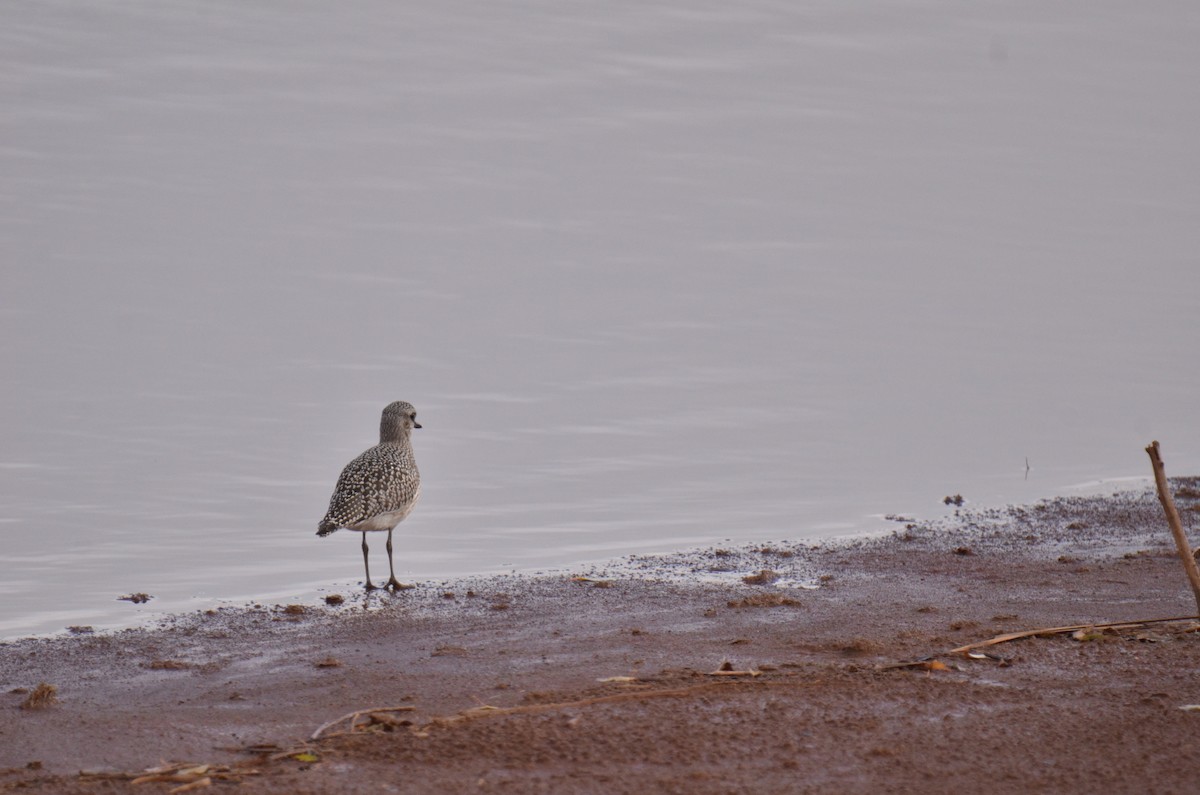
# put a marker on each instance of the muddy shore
(755, 669)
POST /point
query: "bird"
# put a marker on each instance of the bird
(379, 488)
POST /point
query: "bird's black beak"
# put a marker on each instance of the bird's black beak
(416, 424)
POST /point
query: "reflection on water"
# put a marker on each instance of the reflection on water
(655, 276)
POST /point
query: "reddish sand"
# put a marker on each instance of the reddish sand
(614, 684)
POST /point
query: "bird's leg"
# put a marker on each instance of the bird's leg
(366, 565)
(392, 582)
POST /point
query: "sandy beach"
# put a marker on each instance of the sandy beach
(787, 668)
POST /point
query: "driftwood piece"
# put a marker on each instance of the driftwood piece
(1168, 504)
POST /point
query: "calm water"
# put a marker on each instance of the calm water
(655, 274)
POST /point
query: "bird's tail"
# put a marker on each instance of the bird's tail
(326, 527)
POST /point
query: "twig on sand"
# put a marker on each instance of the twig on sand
(1030, 633)
(488, 711)
(632, 695)
(354, 716)
(1168, 504)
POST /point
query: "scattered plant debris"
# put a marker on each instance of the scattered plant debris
(764, 577)
(983, 655)
(328, 662)
(765, 600)
(928, 664)
(190, 777)
(295, 610)
(334, 599)
(957, 500)
(727, 669)
(373, 718)
(963, 551)
(42, 696)
(136, 598)
(168, 665)
(200, 783)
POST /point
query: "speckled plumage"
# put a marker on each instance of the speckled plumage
(383, 481)
(379, 488)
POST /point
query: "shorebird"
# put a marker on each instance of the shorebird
(380, 487)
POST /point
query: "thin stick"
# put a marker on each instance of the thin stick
(533, 709)
(633, 695)
(1181, 541)
(353, 716)
(1029, 633)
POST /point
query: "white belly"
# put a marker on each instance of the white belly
(384, 521)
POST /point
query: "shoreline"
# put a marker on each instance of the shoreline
(630, 649)
(163, 607)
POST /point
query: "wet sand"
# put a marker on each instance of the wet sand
(665, 675)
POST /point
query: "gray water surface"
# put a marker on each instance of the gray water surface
(655, 274)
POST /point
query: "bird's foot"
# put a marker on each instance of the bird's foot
(394, 585)
(370, 586)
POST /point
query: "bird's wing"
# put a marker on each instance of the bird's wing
(376, 482)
